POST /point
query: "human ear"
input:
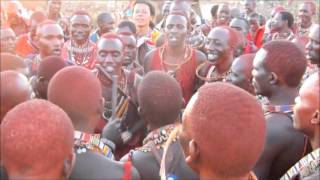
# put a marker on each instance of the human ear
(315, 118)
(68, 165)
(193, 158)
(273, 78)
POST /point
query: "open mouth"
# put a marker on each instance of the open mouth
(213, 56)
(56, 52)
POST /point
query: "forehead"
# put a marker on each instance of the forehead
(80, 19)
(305, 6)
(128, 39)
(278, 15)
(110, 45)
(176, 19)
(219, 33)
(141, 6)
(224, 8)
(50, 29)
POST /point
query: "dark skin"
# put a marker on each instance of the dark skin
(54, 7)
(146, 162)
(80, 27)
(223, 15)
(313, 46)
(106, 24)
(305, 15)
(175, 33)
(95, 164)
(284, 145)
(241, 74)
(7, 40)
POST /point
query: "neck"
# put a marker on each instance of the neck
(225, 66)
(283, 96)
(176, 51)
(284, 30)
(42, 56)
(142, 30)
(315, 139)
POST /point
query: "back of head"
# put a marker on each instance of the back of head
(160, 98)
(36, 139)
(287, 16)
(286, 60)
(130, 25)
(12, 62)
(228, 125)
(49, 66)
(15, 89)
(38, 16)
(78, 92)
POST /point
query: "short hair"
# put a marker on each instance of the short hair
(160, 95)
(214, 10)
(243, 20)
(49, 66)
(11, 62)
(129, 24)
(247, 60)
(151, 8)
(287, 16)
(233, 39)
(226, 122)
(77, 91)
(101, 17)
(111, 35)
(45, 23)
(36, 136)
(286, 60)
(80, 13)
(15, 88)
(38, 16)
(254, 15)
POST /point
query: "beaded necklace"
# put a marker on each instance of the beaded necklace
(172, 68)
(79, 54)
(208, 78)
(85, 141)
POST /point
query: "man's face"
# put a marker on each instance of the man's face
(254, 24)
(217, 45)
(260, 76)
(80, 28)
(277, 23)
(223, 14)
(50, 40)
(176, 30)
(313, 46)
(249, 6)
(54, 6)
(141, 15)
(238, 75)
(305, 108)
(107, 25)
(8, 41)
(239, 25)
(305, 14)
(110, 54)
(130, 49)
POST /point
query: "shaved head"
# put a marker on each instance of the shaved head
(15, 89)
(227, 125)
(78, 92)
(160, 98)
(36, 140)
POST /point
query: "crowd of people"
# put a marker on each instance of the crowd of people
(233, 97)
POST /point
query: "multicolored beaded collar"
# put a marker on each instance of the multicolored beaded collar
(267, 108)
(85, 141)
(158, 137)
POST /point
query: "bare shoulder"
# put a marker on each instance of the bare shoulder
(147, 60)
(200, 56)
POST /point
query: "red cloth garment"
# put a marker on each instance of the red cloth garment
(258, 38)
(185, 75)
(24, 46)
